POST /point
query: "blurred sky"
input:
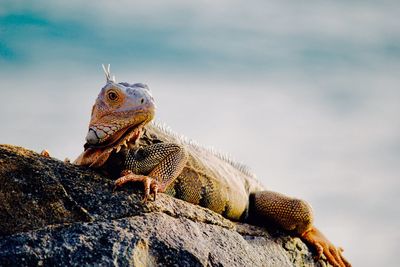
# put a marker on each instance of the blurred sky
(305, 93)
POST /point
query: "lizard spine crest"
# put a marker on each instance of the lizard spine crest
(190, 142)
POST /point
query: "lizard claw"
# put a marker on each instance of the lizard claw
(150, 185)
(324, 247)
(154, 189)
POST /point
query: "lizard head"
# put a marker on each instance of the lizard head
(120, 112)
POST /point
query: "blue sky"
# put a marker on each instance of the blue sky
(225, 37)
(307, 94)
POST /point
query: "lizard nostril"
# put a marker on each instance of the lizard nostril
(141, 101)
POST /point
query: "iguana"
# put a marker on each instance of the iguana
(122, 141)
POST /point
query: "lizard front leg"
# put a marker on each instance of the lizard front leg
(150, 185)
(156, 166)
(295, 215)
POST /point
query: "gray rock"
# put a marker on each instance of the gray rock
(53, 213)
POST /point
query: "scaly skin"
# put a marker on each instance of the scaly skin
(121, 140)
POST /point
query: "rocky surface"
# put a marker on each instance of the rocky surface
(52, 213)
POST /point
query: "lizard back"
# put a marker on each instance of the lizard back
(208, 179)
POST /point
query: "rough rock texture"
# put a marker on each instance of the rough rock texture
(52, 213)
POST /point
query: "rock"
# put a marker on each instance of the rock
(55, 213)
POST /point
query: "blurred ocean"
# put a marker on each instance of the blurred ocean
(307, 94)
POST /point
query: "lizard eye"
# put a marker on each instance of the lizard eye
(112, 95)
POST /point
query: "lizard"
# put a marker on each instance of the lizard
(122, 141)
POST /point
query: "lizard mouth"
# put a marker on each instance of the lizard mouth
(119, 138)
(96, 155)
(107, 132)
